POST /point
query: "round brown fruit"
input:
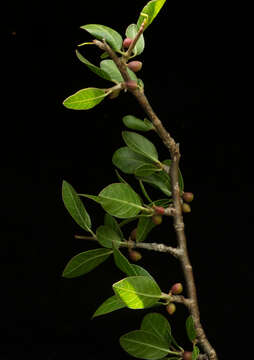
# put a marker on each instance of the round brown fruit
(177, 289)
(187, 355)
(186, 208)
(135, 65)
(157, 219)
(171, 308)
(127, 42)
(135, 255)
(188, 197)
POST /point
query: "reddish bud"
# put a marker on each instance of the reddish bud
(127, 42)
(186, 208)
(135, 65)
(157, 219)
(187, 355)
(134, 234)
(171, 308)
(177, 289)
(188, 197)
(131, 84)
(135, 255)
(159, 209)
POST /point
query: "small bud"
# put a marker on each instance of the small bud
(159, 209)
(131, 84)
(177, 289)
(157, 219)
(188, 197)
(135, 65)
(133, 235)
(186, 208)
(171, 308)
(135, 255)
(127, 42)
(187, 355)
(114, 94)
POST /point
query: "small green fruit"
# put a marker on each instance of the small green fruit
(135, 65)
(187, 355)
(171, 308)
(127, 42)
(135, 255)
(133, 234)
(186, 208)
(177, 289)
(188, 197)
(157, 219)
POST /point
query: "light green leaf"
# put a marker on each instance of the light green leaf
(113, 224)
(157, 324)
(131, 32)
(121, 201)
(134, 123)
(98, 71)
(137, 292)
(146, 170)
(111, 304)
(75, 206)
(140, 145)
(151, 10)
(106, 236)
(128, 160)
(123, 263)
(85, 99)
(195, 352)
(144, 345)
(141, 271)
(92, 197)
(190, 328)
(112, 37)
(110, 68)
(145, 225)
(85, 262)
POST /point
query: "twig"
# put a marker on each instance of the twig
(135, 40)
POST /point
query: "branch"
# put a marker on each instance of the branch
(135, 40)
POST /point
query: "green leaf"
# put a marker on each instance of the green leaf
(106, 236)
(145, 225)
(180, 179)
(92, 197)
(85, 262)
(110, 68)
(146, 170)
(190, 328)
(140, 145)
(195, 352)
(144, 345)
(137, 292)
(98, 71)
(75, 206)
(141, 271)
(151, 10)
(113, 224)
(123, 263)
(134, 123)
(85, 99)
(159, 180)
(157, 324)
(121, 201)
(111, 304)
(131, 32)
(112, 37)
(128, 160)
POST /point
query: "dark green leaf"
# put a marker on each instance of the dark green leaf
(134, 123)
(137, 292)
(140, 145)
(195, 352)
(131, 32)
(92, 67)
(128, 160)
(151, 10)
(75, 206)
(146, 170)
(101, 32)
(123, 263)
(111, 304)
(157, 324)
(113, 224)
(85, 99)
(190, 328)
(85, 262)
(160, 180)
(180, 179)
(121, 201)
(145, 225)
(110, 68)
(106, 236)
(144, 345)
(141, 271)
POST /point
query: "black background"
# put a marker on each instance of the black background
(43, 315)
